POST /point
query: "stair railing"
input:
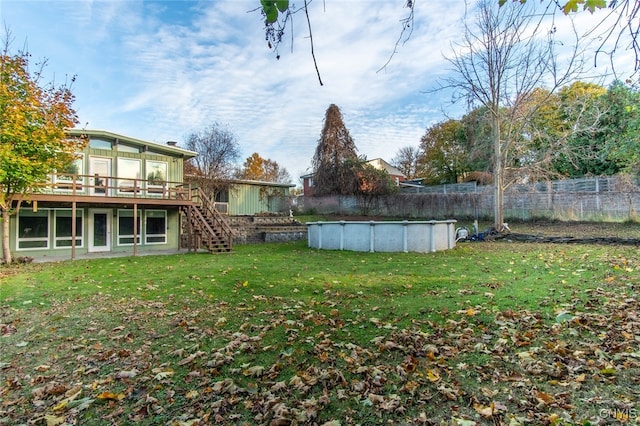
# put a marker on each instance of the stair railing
(197, 222)
(219, 222)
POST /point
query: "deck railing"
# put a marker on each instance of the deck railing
(112, 186)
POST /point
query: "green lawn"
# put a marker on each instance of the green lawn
(277, 334)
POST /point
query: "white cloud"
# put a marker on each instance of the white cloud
(158, 70)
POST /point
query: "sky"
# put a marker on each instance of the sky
(161, 70)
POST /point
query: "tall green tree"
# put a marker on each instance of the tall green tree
(444, 157)
(34, 117)
(622, 124)
(334, 157)
(582, 109)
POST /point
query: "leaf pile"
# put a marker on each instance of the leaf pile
(332, 356)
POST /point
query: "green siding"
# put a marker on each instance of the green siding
(247, 199)
(172, 235)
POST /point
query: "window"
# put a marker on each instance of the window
(128, 170)
(125, 228)
(33, 230)
(67, 179)
(222, 196)
(63, 236)
(100, 143)
(156, 227)
(127, 148)
(156, 175)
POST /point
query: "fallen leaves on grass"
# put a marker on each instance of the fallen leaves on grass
(324, 362)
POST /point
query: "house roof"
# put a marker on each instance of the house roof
(262, 183)
(165, 149)
(380, 164)
(253, 182)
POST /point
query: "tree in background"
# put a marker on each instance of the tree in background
(370, 184)
(578, 131)
(266, 170)
(444, 157)
(497, 67)
(218, 151)
(34, 117)
(334, 157)
(406, 160)
(622, 124)
(582, 107)
(477, 137)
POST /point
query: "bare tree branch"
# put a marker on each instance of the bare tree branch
(315, 63)
(407, 25)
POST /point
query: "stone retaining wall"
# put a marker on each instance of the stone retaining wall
(261, 229)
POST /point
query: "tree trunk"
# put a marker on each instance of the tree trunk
(498, 173)
(6, 251)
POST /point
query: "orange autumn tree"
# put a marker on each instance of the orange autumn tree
(263, 169)
(33, 140)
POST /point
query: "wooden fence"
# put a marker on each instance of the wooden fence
(611, 198)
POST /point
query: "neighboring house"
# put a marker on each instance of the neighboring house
(250, 197)
(396, 175)
(121, 195)
(308, 188)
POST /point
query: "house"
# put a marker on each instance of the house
(122, 195)
(307, 184)
(396, 175)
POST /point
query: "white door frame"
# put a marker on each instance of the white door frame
(108, 213)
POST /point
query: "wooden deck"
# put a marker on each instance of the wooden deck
(203, 228)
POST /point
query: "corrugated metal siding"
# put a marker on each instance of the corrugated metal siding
(246, 199)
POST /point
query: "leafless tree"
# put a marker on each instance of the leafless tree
(506, 54)
(406, 161)
(218, 151)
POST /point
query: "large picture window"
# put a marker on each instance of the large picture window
(156, 227)
(33, 230)
(125, 228)
(63, 228)
(128, 170)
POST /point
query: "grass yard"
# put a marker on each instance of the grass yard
(279, 334)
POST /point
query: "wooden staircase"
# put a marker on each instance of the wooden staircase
(204, 227)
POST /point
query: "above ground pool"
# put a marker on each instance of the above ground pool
(374, 236)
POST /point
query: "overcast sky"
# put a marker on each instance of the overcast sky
(160, 70)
